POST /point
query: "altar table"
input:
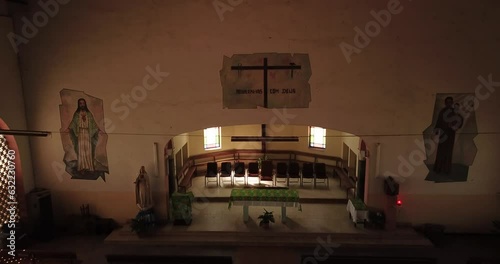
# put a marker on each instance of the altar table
(265, 197)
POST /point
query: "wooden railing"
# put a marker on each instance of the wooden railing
(346, 182)
(185, 174)
(196, 166)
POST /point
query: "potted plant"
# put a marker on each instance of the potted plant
(142, 227)
(266, 218)
(358, 211)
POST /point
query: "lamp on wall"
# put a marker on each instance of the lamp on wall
(30, 133)
(391, 187)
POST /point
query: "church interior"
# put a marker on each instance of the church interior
(249, 131)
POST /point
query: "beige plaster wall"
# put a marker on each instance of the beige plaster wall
(387, 90)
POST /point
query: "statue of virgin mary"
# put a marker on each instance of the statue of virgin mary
(143, 196)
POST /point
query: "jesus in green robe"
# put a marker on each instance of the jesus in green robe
(84, 134)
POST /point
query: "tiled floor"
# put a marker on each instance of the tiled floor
(216, 216)
(331, 218)
(213, 223)
(312, 219)
(217, 230)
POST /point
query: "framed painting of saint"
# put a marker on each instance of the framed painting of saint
(449, 140)
(83, 135)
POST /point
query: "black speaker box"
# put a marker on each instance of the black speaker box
(391, 187)
(40, 214)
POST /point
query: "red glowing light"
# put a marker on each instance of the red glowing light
(399, 203)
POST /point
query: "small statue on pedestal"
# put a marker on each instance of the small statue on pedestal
(143, 197)
(144, 220)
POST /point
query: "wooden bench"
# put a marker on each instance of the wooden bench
(184, 176)
(346, 182)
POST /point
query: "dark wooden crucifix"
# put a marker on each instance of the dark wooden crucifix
(266, 68)
(263, 138)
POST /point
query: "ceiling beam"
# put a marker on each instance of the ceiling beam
(260, 139)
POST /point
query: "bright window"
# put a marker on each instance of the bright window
(317, 137)
(212, 137)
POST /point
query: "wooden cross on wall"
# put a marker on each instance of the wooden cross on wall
(266, 68)
(263, 139)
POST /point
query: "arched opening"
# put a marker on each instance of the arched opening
(12, 200)
(196, 162)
